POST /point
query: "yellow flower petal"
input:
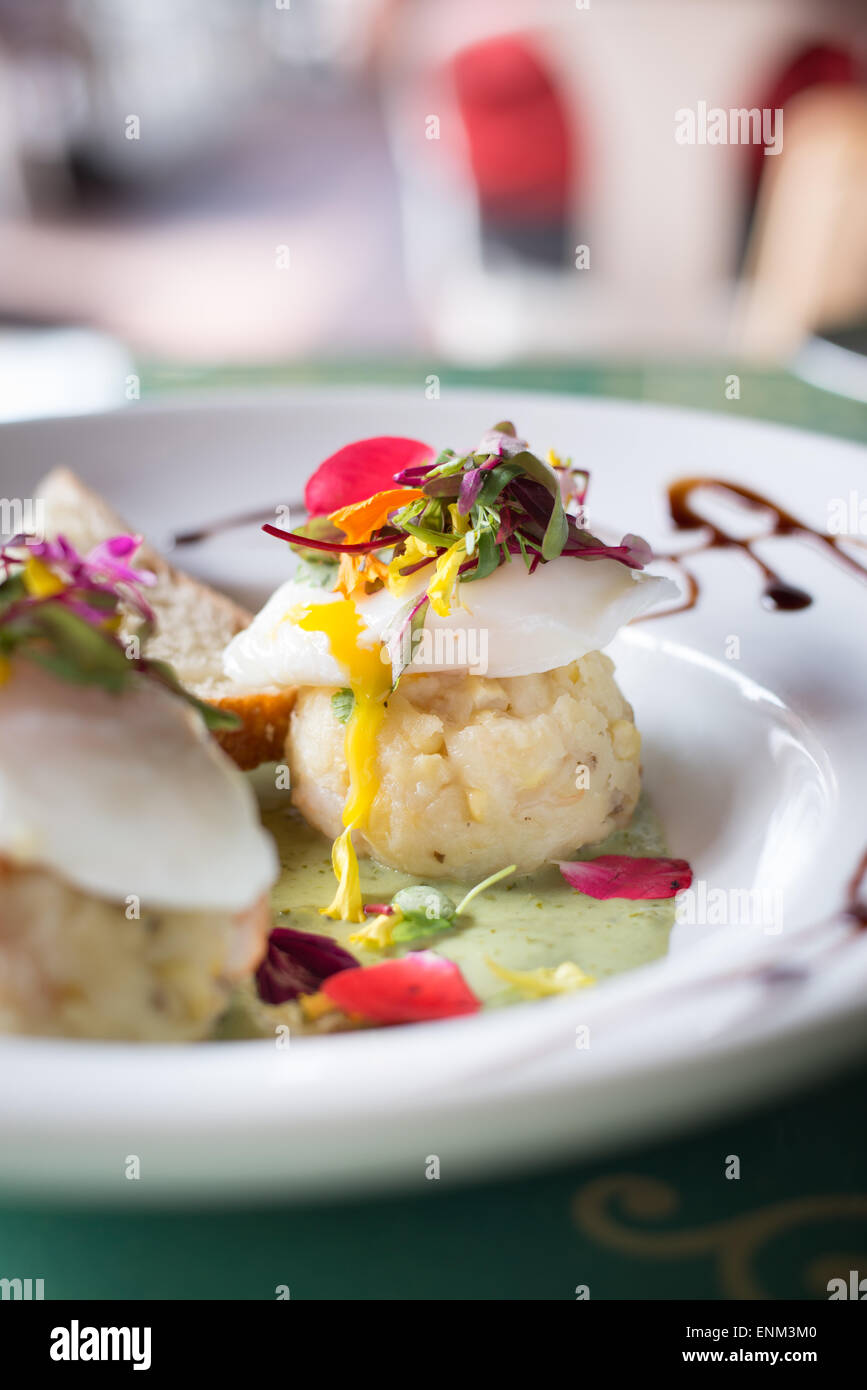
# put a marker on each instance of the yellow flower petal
(376, 934)
(415, 550)
(347, 905)
(441, 590)
(536, 984)
(315, 1006)
(39, 580)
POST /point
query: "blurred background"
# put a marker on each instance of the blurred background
(255, 181)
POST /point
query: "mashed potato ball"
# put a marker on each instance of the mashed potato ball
(476, 773)
(76, 966)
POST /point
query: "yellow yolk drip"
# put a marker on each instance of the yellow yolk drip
(370, 682)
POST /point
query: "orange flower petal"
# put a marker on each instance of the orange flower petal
(359, 520)
(357, 574)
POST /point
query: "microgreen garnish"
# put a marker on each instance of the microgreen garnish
(64, 611)
(423, 911)
(417, 912)
(319, 575)
(480, 887)
(343, 703)
(455, 517)
(453, 520)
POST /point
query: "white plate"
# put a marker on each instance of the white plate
(757, 764)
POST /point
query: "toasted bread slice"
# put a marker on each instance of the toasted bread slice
(194, 622)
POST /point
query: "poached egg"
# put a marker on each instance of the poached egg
(126, 794)
(509, 624)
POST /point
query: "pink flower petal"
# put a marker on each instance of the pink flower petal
(627, 876)
(108, 558)
(359, 470)
(416, 988)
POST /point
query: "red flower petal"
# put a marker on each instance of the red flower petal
(625, 876)
(359, 470)
(417, 987)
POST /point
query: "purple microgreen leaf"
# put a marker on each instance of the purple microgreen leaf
(398, 636)
(471, 483)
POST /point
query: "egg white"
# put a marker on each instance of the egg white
(126, 795)
(514, 623)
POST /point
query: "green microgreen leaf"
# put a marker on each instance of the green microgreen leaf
(424, 911)
(446, 461)
(557, 530)
(480, 887)
(76, 645)
(343, 703)
(497, 479)
(320, 574)
(11, 590)
(441, 539)
(318, 528)
(489, 557)
(525, 553)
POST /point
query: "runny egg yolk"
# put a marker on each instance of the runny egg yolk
(370, 682)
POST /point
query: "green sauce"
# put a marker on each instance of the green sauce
(522, 923)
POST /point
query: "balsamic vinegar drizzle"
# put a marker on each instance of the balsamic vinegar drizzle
(777, 593)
